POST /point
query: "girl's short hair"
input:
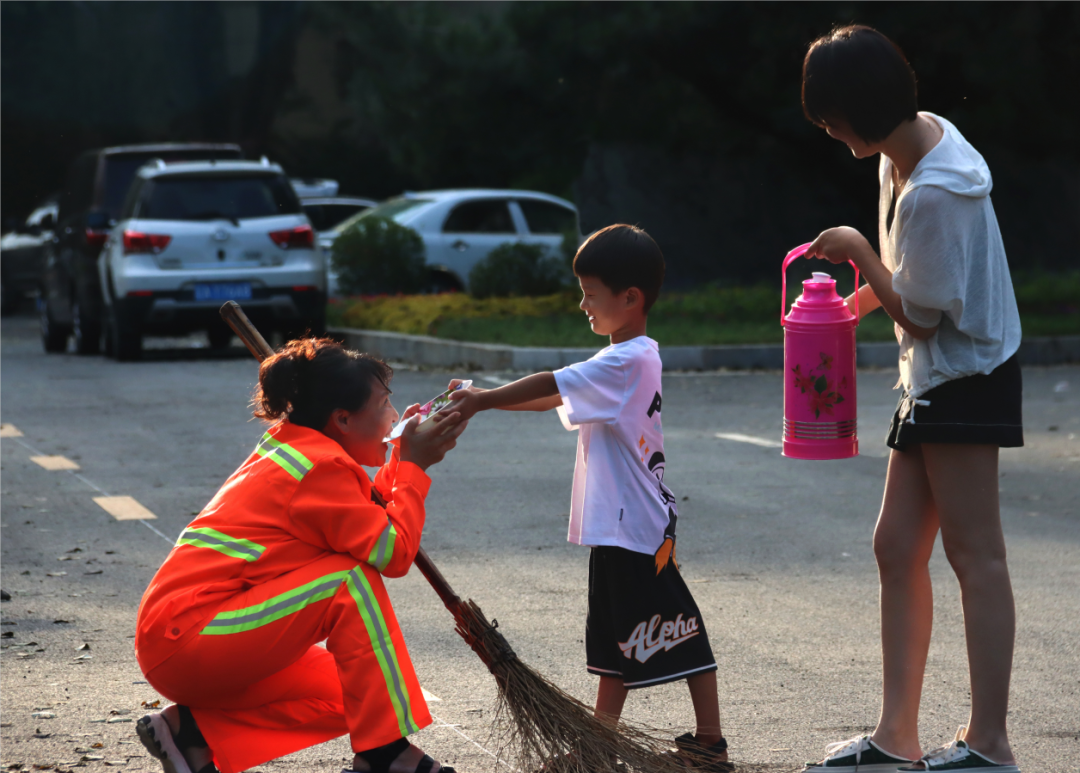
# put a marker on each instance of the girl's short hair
(623, 256)
(310, 378)
(858, 75)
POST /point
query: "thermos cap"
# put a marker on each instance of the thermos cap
(820, 304)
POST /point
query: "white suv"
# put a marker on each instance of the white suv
(192, 235)
(461, 227)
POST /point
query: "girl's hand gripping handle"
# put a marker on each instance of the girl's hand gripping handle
(788, 260)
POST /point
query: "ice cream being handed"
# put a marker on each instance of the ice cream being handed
(427, 410)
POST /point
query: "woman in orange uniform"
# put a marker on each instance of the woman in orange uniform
(290, 552)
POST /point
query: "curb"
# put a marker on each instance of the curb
(442, 353)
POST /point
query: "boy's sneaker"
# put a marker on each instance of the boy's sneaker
(858, 755)
(959, 756)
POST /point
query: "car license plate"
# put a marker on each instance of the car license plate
(223, 291)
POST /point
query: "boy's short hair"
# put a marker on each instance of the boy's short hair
(858, 75)
(623, 256)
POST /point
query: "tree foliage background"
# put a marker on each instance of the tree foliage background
(683, 117)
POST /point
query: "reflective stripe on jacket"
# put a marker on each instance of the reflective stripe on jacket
(298, 497)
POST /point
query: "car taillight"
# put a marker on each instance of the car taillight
(136, 243)
(302, 236)
(96, 238)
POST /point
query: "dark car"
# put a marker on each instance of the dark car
(89, 204)
(22, 255)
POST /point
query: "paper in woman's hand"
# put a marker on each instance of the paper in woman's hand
(427, 410)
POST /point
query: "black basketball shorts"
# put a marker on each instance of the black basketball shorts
(644, 626)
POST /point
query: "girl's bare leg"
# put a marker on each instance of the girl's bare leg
(964, 480)
(903, 541)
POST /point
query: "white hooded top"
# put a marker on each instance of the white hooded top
(949, 266)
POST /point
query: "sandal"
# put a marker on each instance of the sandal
(156, 735)
(704, 758)
(381, 757)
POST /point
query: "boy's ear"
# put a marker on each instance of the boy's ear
(634, 296)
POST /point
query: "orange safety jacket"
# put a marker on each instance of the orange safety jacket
(297, 498)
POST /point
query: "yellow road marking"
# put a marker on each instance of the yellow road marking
(9, 430)
(125, 508)
(55, 462)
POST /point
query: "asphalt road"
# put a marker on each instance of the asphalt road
(777, 552)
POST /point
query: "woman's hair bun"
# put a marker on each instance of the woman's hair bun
(309, 378)
(279, 383)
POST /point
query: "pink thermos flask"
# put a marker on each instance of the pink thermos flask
(819, 369)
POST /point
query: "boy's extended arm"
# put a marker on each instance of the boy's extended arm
(538, 392)
(539, 404)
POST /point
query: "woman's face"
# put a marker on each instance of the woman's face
(361, 432)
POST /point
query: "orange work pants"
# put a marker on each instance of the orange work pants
(260, 687)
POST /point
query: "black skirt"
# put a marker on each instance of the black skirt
(979, 409)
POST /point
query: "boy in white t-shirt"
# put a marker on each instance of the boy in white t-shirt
(643, 627)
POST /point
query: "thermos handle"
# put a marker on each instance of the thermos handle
(798, 252)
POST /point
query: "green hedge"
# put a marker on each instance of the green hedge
(378, 255)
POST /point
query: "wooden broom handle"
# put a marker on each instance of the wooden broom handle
(235, 317)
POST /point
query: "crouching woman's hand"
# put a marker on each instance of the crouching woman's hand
(427, 444)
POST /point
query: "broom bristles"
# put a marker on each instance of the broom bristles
(538, 727)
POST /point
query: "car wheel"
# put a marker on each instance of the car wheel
(9, 299)
(220, 336)
(312, 327)
(87, 330)
(126, 333)
(317, 324)
(54, 337)
(107, 338)
(440, 281)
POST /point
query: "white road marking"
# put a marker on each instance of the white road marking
(444, 723)
(431, 698)
(9, 430)
(125, 508)
(705, 373)
(55, 462)
(497, 380)
(755, 441)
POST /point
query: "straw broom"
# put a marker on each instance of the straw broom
(540, 726)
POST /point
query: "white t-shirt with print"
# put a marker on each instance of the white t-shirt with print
(614, 400)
